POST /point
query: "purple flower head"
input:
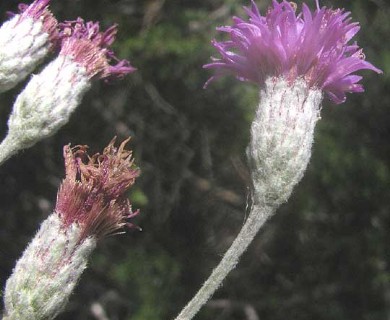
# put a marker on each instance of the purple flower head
(93, 191)
(88, 46)
(313, 46)
(38, 10)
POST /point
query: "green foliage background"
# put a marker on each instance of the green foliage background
(326, 253)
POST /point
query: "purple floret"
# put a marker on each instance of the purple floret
(312, 46)
(35, 9)
(90, 47)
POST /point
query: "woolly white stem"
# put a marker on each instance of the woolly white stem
(279, 151)
(256, 219)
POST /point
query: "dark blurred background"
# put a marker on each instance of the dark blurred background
(326, 253)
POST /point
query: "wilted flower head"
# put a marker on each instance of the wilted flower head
(38, 11)
(313, 46)
(91, 203)
(86, 45)
(92, 194)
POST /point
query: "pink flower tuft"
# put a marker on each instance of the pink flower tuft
(38, 10)
(93, 191)
(313, 46)
(90, 48)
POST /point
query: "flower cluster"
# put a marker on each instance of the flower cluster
(51, 96)
(313, 46)
(91, 201)
(295, 59)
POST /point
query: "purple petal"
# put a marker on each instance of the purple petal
(310, 45)
(90, 47)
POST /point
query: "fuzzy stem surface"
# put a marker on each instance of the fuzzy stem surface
(257, 217)
(279, 151)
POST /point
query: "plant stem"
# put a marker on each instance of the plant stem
(257, 217)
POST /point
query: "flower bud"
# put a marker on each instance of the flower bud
(281, 138)
(25, 40)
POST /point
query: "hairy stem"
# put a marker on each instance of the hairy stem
(257, 217)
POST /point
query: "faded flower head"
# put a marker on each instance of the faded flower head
(88, 46)
(39, 11)
(91, 203)
(92, 194)
(313, 46)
